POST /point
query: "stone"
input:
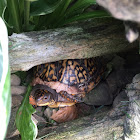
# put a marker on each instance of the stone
(121, 97)
(15, 80)
(12, 130)
(17, 90)
(16, 100)
(39, 111)
(132, 121)
(127, 10)
(48, 113)
(40, 121)
(100, 95)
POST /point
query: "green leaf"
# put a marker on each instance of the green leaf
(43, 7)
(14, 15)
(5, 97)
(76, 9)
(79, 7)
(59, 13)
(24, 123)
(88, 15)
(2, 6)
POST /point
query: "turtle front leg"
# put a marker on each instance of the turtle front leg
(65, 114)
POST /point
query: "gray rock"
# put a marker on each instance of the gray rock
(40, 121)
(121, 97)
(12, 130)
(101, 95)
(16, 100)
(127, 10)
(39, 111)
(132, 122)
(17, 90)
(15, 80)
(48, 113)
(120, 105)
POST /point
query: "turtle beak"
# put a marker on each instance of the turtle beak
(42, 104)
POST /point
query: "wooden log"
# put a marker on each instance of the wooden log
(98, 126)
(80, 40)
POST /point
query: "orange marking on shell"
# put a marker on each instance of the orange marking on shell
(76, 74)
(54, 77)
(77, 68)
(75, 63)
(90, 72)
(82, 80)
(64, 63)
(72, 78)
(44, 71)
(62, 75)
(85, 62)
(81, 68)
(93, 69)
(98, 79)
(72, 67)
(80, 75)
(47, 71)
(91, 86)
(70, 62)
(32, 100)
(53, 66)
(49, 79)
(84, 72)
(51, 72)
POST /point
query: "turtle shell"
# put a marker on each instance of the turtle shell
(81, 74)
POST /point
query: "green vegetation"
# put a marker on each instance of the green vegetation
(5, 97)
(28, 15)
(24, 123)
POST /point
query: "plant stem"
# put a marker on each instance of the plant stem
(13, 8)
(26, 14)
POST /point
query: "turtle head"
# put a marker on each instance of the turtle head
(42, 95)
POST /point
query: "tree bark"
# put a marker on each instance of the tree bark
(80, 40)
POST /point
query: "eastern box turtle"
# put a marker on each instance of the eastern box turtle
(64, 83)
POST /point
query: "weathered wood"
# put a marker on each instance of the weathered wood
(80, 40)
(94, 127)
(128, 10)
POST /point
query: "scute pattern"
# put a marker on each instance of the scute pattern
(72, 71)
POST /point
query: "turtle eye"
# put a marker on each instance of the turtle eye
(45, 98)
